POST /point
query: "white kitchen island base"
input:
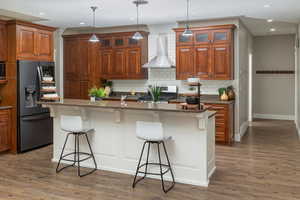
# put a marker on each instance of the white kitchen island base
(116, 148)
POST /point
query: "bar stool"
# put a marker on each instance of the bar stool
(74, 126)
(152, 133)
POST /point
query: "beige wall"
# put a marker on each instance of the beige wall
(274, 95)
(245, 48)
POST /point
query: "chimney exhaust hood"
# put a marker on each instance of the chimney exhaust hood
(161, 60)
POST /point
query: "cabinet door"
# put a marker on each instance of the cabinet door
(221, 36)
(26, 43)
(5, 130)
(3, 43)
(72, 89)
(202, 61)
(185, 63)
(202, 37)
(184, 40)
(133, 66)
(119, 42)
(106, 62)
(221, 61)
(45, 45)
(83, 59)
(118, 70)
(71, 58)
(84, 89)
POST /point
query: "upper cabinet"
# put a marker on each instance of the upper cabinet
(122, 57)
(208, 54)
(33, 42)
(3, 41)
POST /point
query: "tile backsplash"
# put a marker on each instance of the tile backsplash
(164, 77)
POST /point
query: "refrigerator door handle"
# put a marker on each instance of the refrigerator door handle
(35, 118)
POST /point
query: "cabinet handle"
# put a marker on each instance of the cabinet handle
(202, 49)
(184, 50)
(220, 49)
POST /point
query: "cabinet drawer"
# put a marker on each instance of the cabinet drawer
(220, 137)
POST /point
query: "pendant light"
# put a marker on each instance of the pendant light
(137, 35)
(187, 32)
(94, 37)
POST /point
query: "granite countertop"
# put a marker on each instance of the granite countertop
(213, 99)
(130, 105)
(5, 107)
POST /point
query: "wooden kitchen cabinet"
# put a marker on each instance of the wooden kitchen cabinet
(224, 122)
(185, 59)
(122, 57)
(208, 54)
(3, 41)
(116, 56)
(5, 130)
(30, 41)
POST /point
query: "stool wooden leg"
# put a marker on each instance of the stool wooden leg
(138, 167)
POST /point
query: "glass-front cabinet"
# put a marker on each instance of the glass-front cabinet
(202, 37)
(221, 36)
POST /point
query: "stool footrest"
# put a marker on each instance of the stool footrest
(156, 164)
(75, 153)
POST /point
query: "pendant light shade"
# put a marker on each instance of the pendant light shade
(187, 32)
(94, 37)
(137, 35)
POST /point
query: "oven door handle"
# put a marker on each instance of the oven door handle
(35, 118)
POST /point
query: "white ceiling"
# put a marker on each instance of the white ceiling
(69, 13)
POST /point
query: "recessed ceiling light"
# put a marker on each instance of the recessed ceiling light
(267, 6)
(270, 20)
(82, 23)
(272, 29)
(42, 13)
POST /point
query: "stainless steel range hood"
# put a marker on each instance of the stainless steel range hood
(161, 60)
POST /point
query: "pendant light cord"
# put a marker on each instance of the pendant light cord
(187, 14)
(137, 15)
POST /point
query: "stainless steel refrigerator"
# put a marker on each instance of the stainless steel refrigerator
(35, 127)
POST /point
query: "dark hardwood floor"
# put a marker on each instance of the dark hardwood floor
(265, 166)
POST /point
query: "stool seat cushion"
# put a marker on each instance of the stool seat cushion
(150, 131)
(80, 131)
(73, 124)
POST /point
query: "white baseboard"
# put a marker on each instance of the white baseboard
(243, 129)
(278, 117)
(129, 172)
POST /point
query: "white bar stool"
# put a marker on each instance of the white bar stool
(74, 126)
(152, 133)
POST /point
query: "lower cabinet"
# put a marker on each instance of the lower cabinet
(224, 123)
(5, 130)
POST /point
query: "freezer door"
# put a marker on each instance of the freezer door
(35, 131)
(29, 89)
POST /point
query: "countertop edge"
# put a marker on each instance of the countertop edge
(123, 107)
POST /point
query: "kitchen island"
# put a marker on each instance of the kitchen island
(114, 142)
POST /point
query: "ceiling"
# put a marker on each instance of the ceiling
(70, 13)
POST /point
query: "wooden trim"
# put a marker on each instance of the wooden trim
(3, 22)
(29, 24)
(226, 26)
(87, 35)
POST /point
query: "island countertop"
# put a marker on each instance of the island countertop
(107, 104)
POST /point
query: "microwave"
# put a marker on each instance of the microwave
(2, 71)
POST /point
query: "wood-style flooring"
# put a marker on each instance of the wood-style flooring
(265, 166)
